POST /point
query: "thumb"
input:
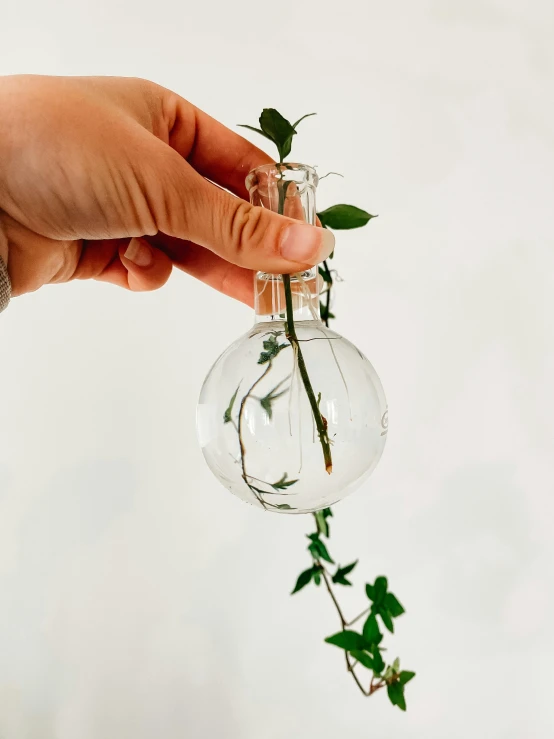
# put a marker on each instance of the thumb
(243, 234)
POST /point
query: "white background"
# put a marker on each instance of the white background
(138, 599)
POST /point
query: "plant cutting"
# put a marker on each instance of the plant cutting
(292, 417)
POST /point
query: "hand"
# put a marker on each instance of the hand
(113, 179)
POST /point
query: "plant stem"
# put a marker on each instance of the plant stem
(344, 623)
(329, 283)
(359, 616)
(320, 422)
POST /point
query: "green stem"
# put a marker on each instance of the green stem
(349, 665)
(320, 422)
(329, 284)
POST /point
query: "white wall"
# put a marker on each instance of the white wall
(138, 599)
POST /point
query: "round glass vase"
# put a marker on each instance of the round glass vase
(292, 417)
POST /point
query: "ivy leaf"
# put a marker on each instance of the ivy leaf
(371, 630)
(349, 641)
(363, 658)
(304, 579)
(405, 677)
(339, 578)
(325, 313)
(317, 548)
(387, 620)
(267, 400)
(326, 275)
(342, 217)
(271, 349)
(227, 418)
(283, 483)
(370, 591)
(393, 605)
(379, 589)
(396, 695)
(378, 662)
(321, 520)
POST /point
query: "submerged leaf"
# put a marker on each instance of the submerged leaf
(271, 349)
(283, 483)
(227, 418)
(267, 400)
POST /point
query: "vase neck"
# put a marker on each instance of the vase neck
(287, 189)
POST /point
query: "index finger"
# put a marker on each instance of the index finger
(216, 152)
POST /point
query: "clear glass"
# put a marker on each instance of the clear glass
(256, 420)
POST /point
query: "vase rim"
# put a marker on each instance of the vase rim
(276, 167)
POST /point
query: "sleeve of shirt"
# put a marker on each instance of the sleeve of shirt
(5, 286)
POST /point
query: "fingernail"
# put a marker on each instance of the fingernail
(138, 253)
(306, 244)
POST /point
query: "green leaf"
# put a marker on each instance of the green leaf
(322, 525)
(339, 578)
(370, 591)
(371, 631)
(304, 579)
(393, 605)
(294, 125)
(283, 483)
(380, 589)
(379, 664)
(321, 520)
(405, 677)
(387, 620)
(274, 394)
(348, 640)
(341, 217)
(271, 349)
(256, 130)
(396, 695)
(363, 658)
(317, 576)
(227, 418)
(326, 275)
(277, 128)
(389, 673)
(318, 550)
(284, 507)
(396, 665)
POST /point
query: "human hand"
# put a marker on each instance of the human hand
(113, 179)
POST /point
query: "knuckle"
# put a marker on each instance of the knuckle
(245, 228)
